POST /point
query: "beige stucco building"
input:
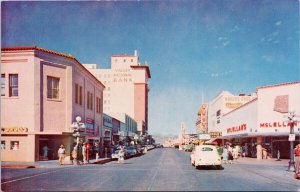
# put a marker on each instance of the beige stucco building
(126, 88)
(42, 93)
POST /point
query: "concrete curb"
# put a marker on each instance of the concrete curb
(22, 165)
(102, 161)
(18, 166)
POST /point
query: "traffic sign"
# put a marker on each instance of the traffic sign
(292, 137)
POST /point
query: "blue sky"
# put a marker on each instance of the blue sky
(192, 47)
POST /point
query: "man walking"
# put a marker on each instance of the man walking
(61, 154)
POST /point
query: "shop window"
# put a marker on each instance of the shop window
(14, 145)
(2, 144)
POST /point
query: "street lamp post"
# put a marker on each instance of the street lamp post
(291, 119)
(77, 128)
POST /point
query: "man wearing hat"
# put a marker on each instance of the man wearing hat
(297, 160)
(61, 154)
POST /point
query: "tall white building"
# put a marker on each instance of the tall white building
(126, 89)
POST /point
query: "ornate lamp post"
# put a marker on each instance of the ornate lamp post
(77, 128)
(292, 120)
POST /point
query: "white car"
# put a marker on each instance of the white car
(115, 155)
(206, 155)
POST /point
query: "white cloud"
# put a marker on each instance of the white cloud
(236, 28)
(278, 23)
(226, 43)
(267, 58)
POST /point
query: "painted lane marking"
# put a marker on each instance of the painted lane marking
(28, 177)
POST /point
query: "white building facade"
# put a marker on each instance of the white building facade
(126, 88)
(259, 122)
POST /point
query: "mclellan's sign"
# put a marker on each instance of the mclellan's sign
(276, 124)
(236, 129)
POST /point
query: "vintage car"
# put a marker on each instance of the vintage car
(206, 155)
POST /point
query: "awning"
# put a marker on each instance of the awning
(212, 141)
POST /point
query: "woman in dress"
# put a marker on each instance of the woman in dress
(225, 155)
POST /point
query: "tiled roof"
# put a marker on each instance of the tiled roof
(20, 48)
(37, 48)
(276, 85)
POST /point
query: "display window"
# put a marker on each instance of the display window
(2, 144)
(14, 145)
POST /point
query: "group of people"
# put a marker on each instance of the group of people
(228, 154)
(62, 151)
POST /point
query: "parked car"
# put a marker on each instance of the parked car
(188, 148)
(205, 155)
(115, 155)
(130, 152)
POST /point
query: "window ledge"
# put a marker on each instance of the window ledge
(56, 100)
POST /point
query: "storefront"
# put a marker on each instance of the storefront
(115, 131)
(18, 143)
(107, 131)
(35, 123)
(259, 123)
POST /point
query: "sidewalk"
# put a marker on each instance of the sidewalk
(48, 164)
(270, 161)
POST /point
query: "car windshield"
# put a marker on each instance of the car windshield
(206, 149)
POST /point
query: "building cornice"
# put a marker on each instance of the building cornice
(142, 67)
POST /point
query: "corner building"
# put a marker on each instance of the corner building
(259, 122)
(126, 89)
(42, 93)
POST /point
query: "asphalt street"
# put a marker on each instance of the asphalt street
(165, 169)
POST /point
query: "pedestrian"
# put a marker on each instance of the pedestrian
(75, 156)
(264, 153)
(84, 153)
(244, 151)
(225, 155)
(121, 155)
(235, 152)
(45, 151)
(297, 160)
(61, 154)
(230, 156)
